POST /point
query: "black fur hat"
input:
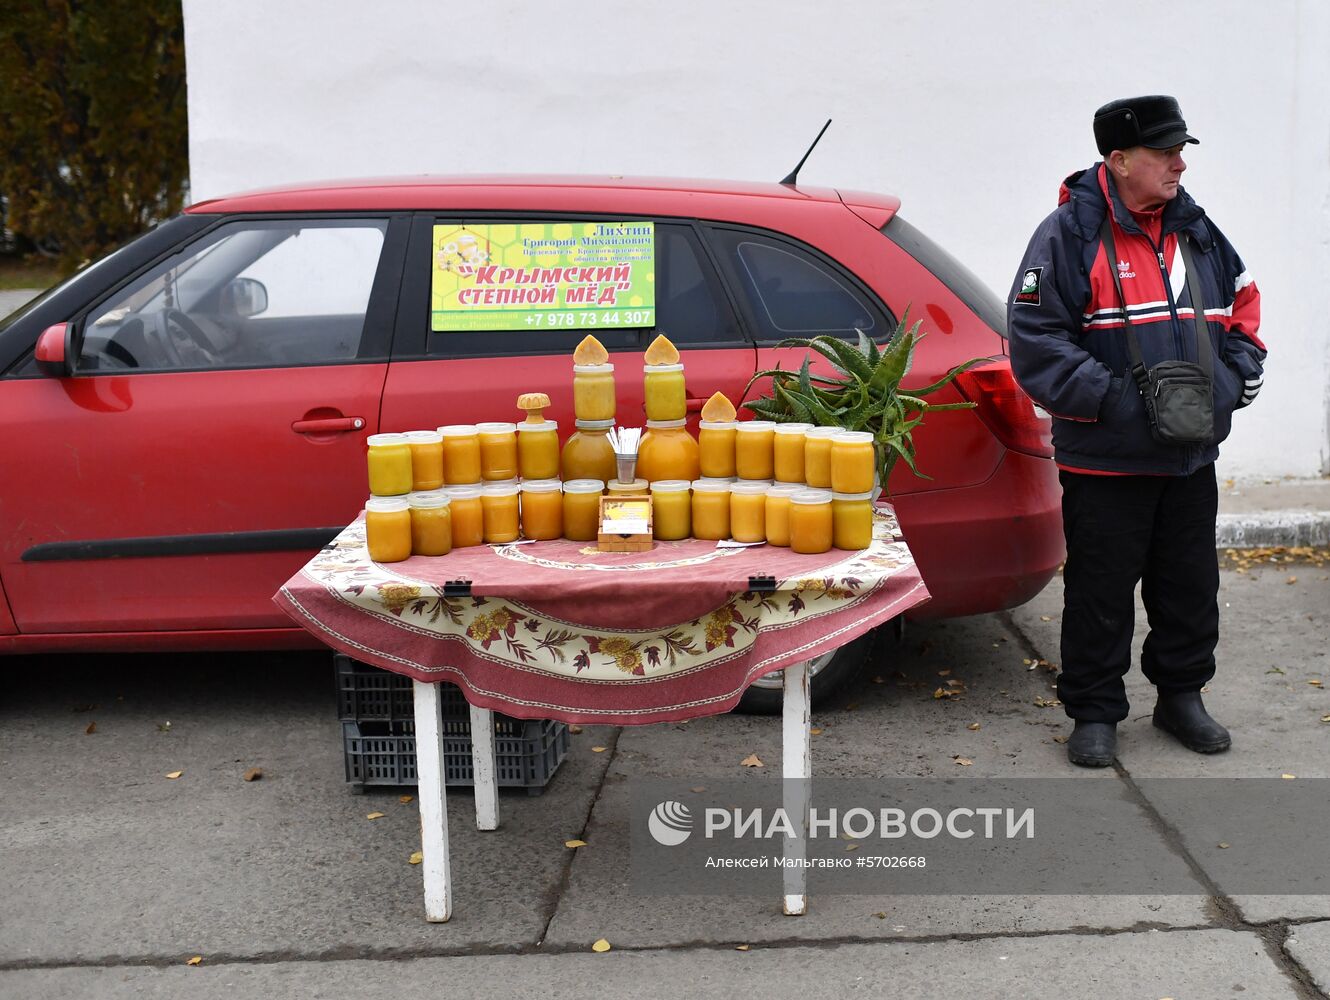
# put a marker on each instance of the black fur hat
(1154, 121)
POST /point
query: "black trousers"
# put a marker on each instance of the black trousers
(1121, 530)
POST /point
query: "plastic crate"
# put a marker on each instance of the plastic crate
(379, 743)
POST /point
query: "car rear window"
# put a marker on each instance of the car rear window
(963, 283)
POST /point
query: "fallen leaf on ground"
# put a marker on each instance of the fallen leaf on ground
(174, 774)
(973, 727)
(1314, 684)
(574, 843)
(878, 680)
(1042, 702)
(698, 788)
(1274, 670)
(404, 799)
(1045, 618)
(1325, 718)
(92, 728)
(416, 858)
(253, 774)
(945, 693)
(196, 960)
(944, 673)
(963, 761)
(599, 749)
(815, 732)
(1061, 739)
(880, 916)
(1291, 579)
(163, 727)
(601, 946)
(375, 815)
(574, 729)
(1288, 777)
(741, 947)
(1223, 846)
(752, 760)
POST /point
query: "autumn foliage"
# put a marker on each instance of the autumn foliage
(93, 123)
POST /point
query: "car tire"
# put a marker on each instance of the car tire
(831, 674)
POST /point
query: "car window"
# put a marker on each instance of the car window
(248, 294)
(685, 299)
(791, 292)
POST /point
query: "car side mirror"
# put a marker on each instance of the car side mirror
(54, 353)
(247, 297)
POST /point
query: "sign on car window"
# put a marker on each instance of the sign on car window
(539, 275)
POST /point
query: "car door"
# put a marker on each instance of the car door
(465, 376)
(211, 435)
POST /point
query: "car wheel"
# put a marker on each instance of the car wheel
(828, 675)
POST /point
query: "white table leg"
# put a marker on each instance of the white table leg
(798, 772)
(483, 769)
(433, 804)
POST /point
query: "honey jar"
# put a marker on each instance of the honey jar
(388, 529)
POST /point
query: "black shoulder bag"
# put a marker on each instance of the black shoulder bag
(1178, 395)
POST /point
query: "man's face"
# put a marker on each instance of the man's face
(1151, 175)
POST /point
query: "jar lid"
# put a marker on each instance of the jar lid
(853, 496)
(594, 425)
(424, 437)
(823, 432)
(661, 369)
(812, 497)
(508, 488)
(500, 427)
(593, 369)
(665, 424)
(386, 505)
(787, 489)
(457, 430)
(854, 437)
(793, 428)
(584, 486)
(711, 486)
(428, 499)
(636, 486)
(750, 487)
(671, 486)
(544, 425)
(383, 440)
(463, 492)
(756, 426)
(718, 425)
(541, 486)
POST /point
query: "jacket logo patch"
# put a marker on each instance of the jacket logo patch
(1124, 270)
(1029, 293)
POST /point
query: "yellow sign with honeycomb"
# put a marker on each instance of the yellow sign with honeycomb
(543, 275)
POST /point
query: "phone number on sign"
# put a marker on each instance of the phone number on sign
(622, 317)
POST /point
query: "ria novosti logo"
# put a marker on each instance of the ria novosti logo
(670, 823)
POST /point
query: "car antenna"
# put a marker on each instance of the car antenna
(793, 175)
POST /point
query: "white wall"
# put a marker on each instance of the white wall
(972, 112)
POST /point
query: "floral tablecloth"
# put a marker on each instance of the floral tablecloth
(561, 630)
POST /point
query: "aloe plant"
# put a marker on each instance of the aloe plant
(867, 395)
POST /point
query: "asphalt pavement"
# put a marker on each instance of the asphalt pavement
(117, 875)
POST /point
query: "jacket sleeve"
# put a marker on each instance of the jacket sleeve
(1243, 351)
(1044, 324)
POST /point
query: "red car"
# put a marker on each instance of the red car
(185, 420)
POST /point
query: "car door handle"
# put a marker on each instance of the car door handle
(328, 425)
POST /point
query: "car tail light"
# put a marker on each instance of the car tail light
(1006, 410)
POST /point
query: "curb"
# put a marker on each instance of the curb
(1272, 528)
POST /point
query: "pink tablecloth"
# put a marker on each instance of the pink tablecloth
(560, 630)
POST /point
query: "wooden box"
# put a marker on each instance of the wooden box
(625, 511)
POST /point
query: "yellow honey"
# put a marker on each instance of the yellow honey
(711, 509)
(431, 524)
(426, 459)
(389, 462)
(461, 454)
(663, 388)
(748, 506)
(538, 450)
(581, 509)
(667, 451)
(715, 442)
(788, 448)
(778, 512)
(498, 452)
(852, 462)
(588, 454)
(593, 392)
(817, 456)
(811, 521)
(671, 509)
(852, 520)
(542, 509)
(499, 506)
(388, 529)
(754, 457)
(467, 514)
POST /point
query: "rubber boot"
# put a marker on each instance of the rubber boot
(1184, 716)
(1093, 744)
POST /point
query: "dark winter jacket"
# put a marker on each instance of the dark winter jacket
(1067, 340)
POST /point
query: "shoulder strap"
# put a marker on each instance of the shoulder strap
(1133, 345)
(1204, 353)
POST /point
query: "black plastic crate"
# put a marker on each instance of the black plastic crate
(379, 743)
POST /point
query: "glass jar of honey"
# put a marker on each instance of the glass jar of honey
(593, 392)
(778, 512)
(638, 487)
(788, 449)
(667, 451)
(663, 387)
(852, 520)
(817, 456)
(426, 459)
(711, 509)
(542, 509)
(748, 507)
(588, 454)
(499, 508)
(754, 457)
(388, 529)
(538, 450)
(811, 521)
(498, 452)
(431, 523)
(581, 509)
(715, 442)
(671, 509)
(461, 454)
(467, 515)
(852, 463)
(389, 460)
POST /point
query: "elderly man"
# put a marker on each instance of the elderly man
(1106, 293)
